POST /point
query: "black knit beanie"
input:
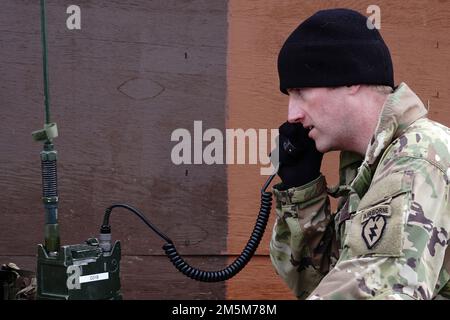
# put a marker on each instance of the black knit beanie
(334, 48)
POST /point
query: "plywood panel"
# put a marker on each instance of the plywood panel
(258, 281)
(119, 87)
(134, 73)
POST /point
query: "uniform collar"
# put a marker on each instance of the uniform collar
(399, 111)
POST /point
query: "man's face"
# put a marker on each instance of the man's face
(323, 111)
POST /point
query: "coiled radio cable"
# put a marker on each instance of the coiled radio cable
(201, 275)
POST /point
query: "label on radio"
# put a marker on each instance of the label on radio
(94, 277)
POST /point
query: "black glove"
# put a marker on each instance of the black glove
(300, 161)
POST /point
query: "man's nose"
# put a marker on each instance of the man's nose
(295, 112)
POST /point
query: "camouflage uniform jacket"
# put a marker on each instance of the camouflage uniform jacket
(389, 237)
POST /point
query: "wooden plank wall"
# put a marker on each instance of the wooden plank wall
(136, 71)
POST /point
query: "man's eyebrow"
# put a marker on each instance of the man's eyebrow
(295, 90)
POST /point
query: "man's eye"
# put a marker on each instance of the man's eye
(298, 92)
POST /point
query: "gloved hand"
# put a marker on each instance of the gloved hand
(299, 158)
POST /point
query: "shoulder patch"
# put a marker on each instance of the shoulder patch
(373, 229)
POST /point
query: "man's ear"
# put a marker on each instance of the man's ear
(352, 90)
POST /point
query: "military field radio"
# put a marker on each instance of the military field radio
(91, 270)
(82, 271)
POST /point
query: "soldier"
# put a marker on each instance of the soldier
(389, 238)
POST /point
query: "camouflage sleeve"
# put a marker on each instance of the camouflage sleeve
(396, 243)
(302, 235)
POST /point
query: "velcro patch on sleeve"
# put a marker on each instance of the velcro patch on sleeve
(378, 230)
